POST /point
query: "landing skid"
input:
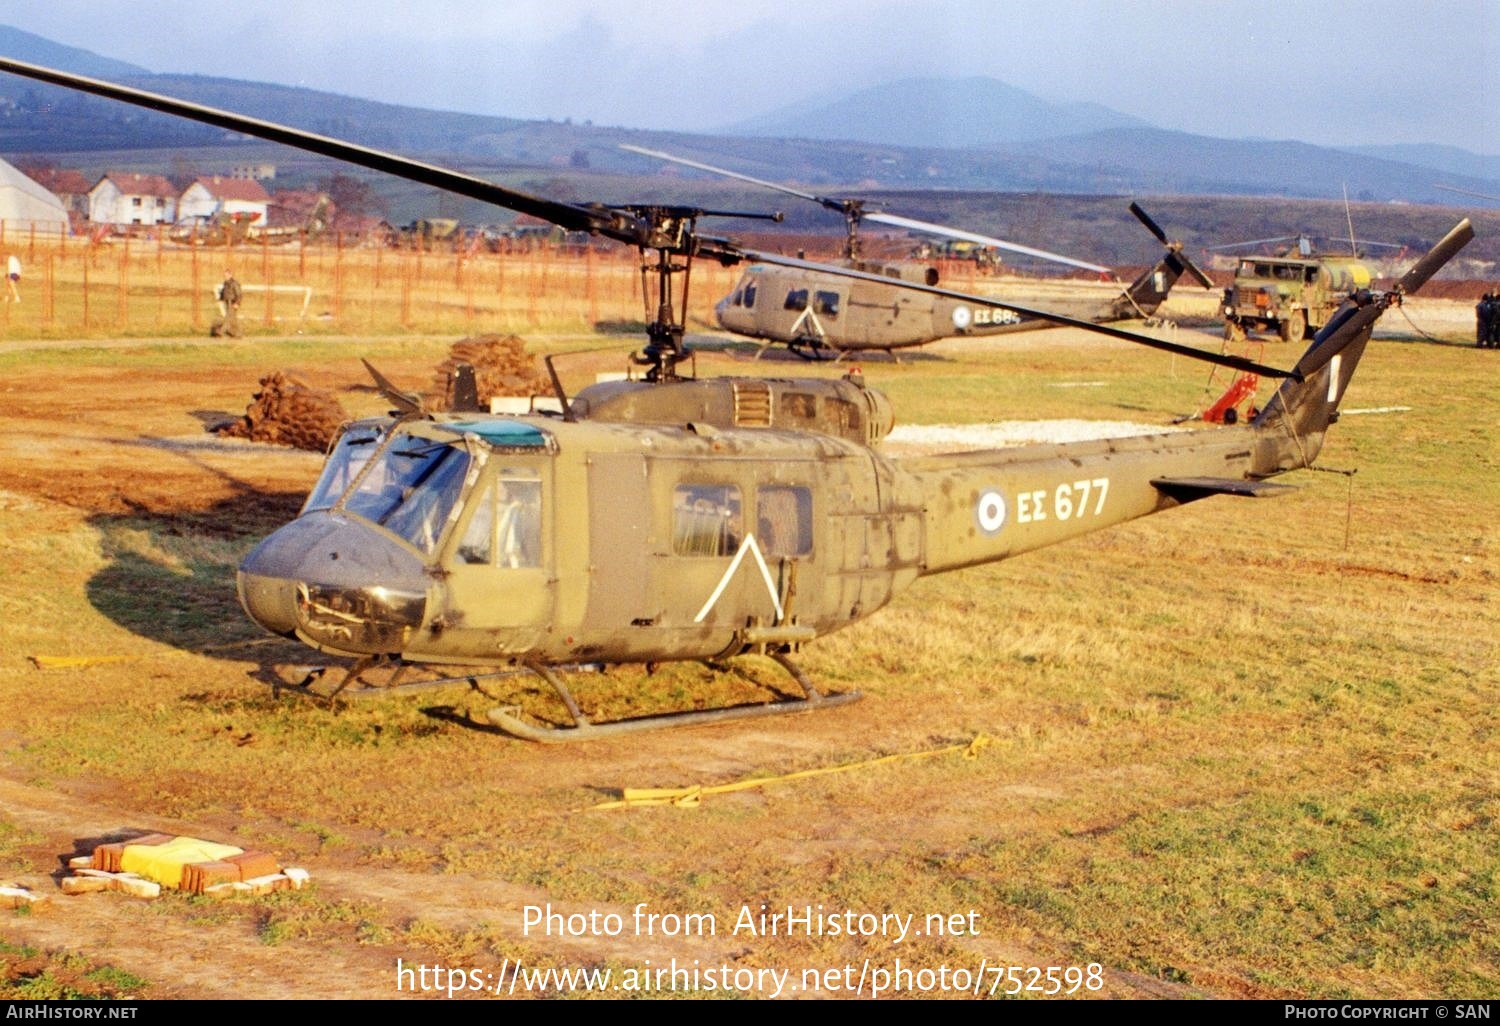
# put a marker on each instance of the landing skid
(815, 350)
(506, 718)
(358, 681)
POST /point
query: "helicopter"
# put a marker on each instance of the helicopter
(671, 518)
(817, 314)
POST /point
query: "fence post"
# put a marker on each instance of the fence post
(338, 278)
(265, 275)
(48, 292)
(405, 291)
(122, 276)
(197, 281)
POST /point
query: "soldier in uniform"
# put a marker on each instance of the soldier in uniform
(1484, 315)
(230, 295)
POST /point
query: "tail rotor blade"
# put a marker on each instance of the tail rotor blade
(1175, 247)
(1195, 271)
(1151, 225)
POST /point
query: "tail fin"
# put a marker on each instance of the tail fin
(1291, 427)
(1150, 290)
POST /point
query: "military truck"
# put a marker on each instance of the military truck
(1289, 295)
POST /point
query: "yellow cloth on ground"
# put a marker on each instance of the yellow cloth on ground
(164, 862)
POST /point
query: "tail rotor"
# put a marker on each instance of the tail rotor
(1174, 247)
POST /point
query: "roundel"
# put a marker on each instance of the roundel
(989, 511)
(962, 317)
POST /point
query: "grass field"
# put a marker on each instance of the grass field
(1243, 749)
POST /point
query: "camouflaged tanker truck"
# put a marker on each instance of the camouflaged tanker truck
(1292, 296)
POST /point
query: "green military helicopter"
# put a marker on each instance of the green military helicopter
(670, 518)
(817, 313)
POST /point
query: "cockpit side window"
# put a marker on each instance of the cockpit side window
(827, 303)
(349, 455)
(505, 528)
(796, 299)
(750, 296)
(706, 520)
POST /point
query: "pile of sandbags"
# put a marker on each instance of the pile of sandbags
(287, 411)
(502, 367)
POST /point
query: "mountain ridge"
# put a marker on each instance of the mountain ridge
(944, 113)
(1089, 148)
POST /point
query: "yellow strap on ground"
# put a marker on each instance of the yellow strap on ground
(690, 797)
(71, 662)
(68, 662)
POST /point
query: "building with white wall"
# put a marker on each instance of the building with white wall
(127, 198)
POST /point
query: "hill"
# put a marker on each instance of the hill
(963, 113)
(971, 133)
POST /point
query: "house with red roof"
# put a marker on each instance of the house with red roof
(122, 197)
(241, 199)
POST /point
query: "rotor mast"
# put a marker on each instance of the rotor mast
(671, 232)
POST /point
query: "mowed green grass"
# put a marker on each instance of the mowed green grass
(1248, 747)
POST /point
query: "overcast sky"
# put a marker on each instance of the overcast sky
(1324, 72)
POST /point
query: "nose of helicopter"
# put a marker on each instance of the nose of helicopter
(337, 582)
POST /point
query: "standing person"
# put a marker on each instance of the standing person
(13, 279)
(1484, 315)
(230, 294)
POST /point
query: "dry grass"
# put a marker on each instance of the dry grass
(76, 289)
(1247, 748)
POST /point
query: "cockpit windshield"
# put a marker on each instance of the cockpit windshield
(407, 484)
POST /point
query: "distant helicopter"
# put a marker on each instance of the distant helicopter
(669, 518)
(817, 314)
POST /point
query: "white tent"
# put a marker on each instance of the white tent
(24, 203)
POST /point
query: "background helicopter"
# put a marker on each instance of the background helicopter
(814, 313)
(679, 519)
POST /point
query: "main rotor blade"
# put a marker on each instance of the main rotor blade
(1257, 242)
(659, 155)
(1467, 192)
(1436, 257)
(410, 403)
(852, 207)
(1237, 362)
(615, 224)
(983, 240)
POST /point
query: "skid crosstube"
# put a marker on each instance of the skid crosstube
(506, 718)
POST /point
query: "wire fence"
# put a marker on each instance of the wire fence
(83, 286)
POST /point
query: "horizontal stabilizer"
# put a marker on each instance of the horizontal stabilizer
(1189, 488)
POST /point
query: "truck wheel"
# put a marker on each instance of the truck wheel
(1294, 328)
